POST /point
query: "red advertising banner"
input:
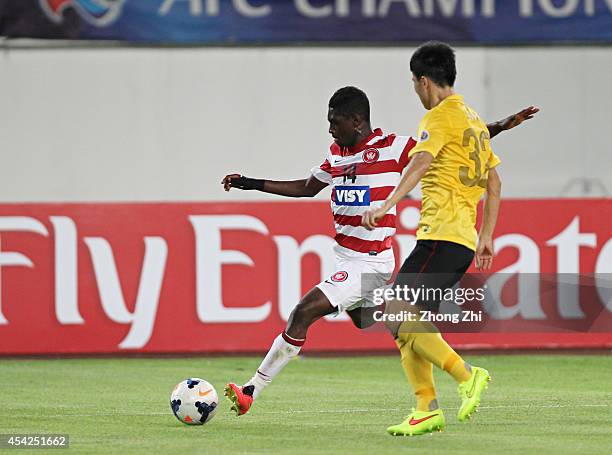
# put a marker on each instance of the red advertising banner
(224, 277)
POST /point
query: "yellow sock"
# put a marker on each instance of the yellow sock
(455, 366)
(430, 345)
(419, 373)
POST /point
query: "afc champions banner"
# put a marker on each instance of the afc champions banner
(224, 277)
(318, 21)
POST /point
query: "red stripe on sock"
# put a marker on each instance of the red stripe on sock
(293, 341)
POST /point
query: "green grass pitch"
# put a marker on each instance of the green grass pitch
(536, 404)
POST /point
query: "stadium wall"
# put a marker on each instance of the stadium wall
(164, 124)
(224, 277)
(111, 126)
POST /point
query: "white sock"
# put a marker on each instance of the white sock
(283, 349)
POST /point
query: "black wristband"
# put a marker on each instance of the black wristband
(245, 183)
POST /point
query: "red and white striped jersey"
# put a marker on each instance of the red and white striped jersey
(362, 177)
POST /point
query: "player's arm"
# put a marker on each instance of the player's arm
(293, 188)
(484, 250)
(512, 121)
(417, 167)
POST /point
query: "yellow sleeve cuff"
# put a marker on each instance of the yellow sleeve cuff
(417, 149)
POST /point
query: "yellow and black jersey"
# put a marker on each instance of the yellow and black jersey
(454, 183)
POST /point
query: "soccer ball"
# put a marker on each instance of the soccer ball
(194, 401)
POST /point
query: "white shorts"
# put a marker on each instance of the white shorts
(354, 281)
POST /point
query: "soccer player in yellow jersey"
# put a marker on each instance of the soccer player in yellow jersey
(454, 162)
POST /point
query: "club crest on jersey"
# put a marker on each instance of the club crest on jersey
(352, 195)
(96, 12)
(424, 136)
(370, 156)
(339, 277)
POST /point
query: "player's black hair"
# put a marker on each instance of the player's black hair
(436, 61)
(349, 101)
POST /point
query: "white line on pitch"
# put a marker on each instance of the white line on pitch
(339, 411)
(342, 411)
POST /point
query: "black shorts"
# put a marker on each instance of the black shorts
(434, 264)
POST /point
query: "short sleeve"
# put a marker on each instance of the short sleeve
(432, 134)
(493, 160)
(404, 158)
(323, 172)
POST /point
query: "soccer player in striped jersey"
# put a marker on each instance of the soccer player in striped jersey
(363, 166)
(454, 162)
